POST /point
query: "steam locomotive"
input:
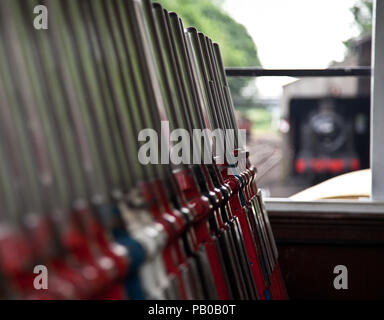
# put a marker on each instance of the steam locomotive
(326, 123)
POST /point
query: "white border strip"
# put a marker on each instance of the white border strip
(325, 206)
(377, 103)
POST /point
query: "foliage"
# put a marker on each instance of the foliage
(261, 118)
(237, 46)
(362, 13)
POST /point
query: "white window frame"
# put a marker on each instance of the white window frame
(376, 203)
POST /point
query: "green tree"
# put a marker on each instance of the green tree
(362, 13)
(237, 46)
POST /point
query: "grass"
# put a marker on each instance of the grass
(261, 118)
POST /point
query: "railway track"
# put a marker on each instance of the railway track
(266, 154)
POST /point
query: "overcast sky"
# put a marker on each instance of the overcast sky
(294, 33)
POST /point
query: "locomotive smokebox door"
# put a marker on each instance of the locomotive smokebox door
(329, 136)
